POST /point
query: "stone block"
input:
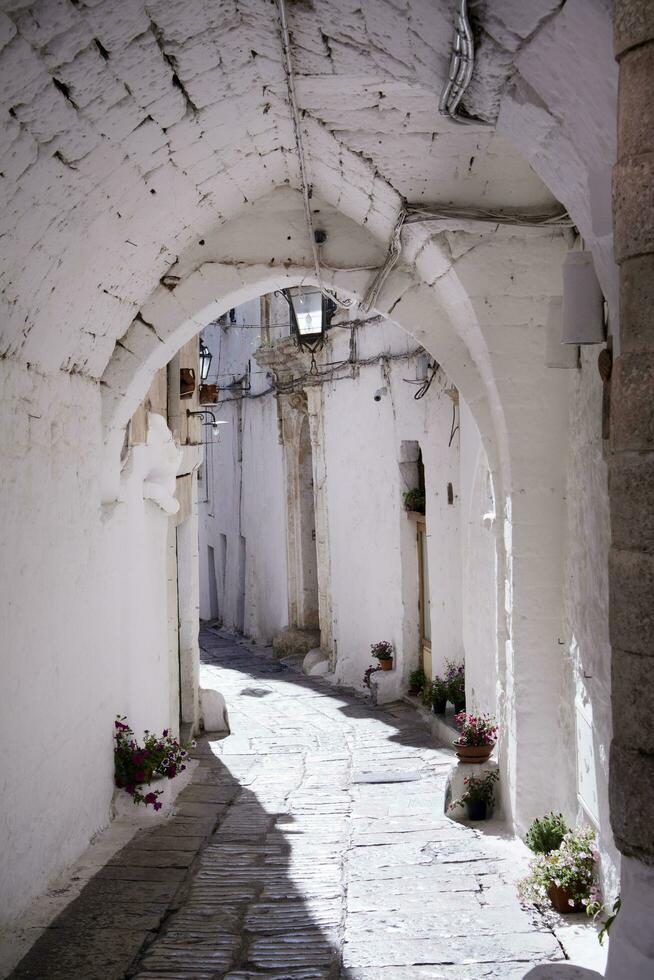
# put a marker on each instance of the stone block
(631, 611)
(61, 954)
(631, 795)
(213, 711)
(633, 24)
(632, 405)
(637, 303)
(632, 694)
(295, 642)
(633, 206)
(631, 481)
(316, 663)
(636, 128)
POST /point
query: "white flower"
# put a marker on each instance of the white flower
(570, 902)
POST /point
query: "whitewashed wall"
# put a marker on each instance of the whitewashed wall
(242, 493)
(587, 719)
(84, 626)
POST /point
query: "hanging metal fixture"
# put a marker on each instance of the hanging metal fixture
(311, 314)
(205, 360)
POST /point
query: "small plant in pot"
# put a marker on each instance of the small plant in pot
(455, 675)
(160, 756)
(439, 689)
(384, 653)
(546, 833)
(567, 876)
(417, 681)
(414, 500)
(479, 795)
(477, 737)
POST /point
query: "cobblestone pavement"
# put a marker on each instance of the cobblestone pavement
(311, 844)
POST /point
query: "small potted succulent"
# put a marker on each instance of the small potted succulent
(455, 675)
(477, 737)
(414, 500)
(384, 653)
(417, 681)
(567, 876)
(439, 689)
(479, 795)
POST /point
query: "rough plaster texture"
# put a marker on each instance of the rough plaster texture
(155, 153)
(66, 654)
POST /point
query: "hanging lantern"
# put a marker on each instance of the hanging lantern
(311, 312)
(205, 361)
(583, 302)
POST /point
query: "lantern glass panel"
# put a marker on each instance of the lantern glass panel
(307, 302)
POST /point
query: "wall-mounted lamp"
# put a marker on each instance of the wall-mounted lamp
(205, 360)
(583, 302)
(212, 420)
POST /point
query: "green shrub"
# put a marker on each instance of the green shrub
(417, 679)
(546, 833)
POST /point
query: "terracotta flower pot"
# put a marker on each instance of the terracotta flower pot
(438, 707)
(560, 899)
(386, 664)
(473, 753)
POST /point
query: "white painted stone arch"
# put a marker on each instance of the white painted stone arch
(440, 305)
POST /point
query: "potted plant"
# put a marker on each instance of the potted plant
(414, 500)
(567, 876)
(439, 689)
(477, 737)
(417, 681)
(160, 757)
(384, 653)
(546, 833)
(455, 675)
(479, 795)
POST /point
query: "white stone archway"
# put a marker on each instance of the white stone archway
(518, 405)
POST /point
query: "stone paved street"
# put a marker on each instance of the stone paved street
(310, 844)
(325, 865)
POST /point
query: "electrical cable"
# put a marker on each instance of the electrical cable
(295, 115)
(454, 429)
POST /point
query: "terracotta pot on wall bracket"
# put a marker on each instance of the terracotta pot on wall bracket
(473, 753)
(386, 664)
(560, 899)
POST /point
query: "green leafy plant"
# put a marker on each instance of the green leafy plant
(134, 764)
(439, 690)
(417, 680)
(596, 908)
(383, 650)
(478, 789)
(455, 676)
(571, 867)
(415, 500)
(546, 833)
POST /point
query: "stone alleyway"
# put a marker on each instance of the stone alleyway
(311, 844)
